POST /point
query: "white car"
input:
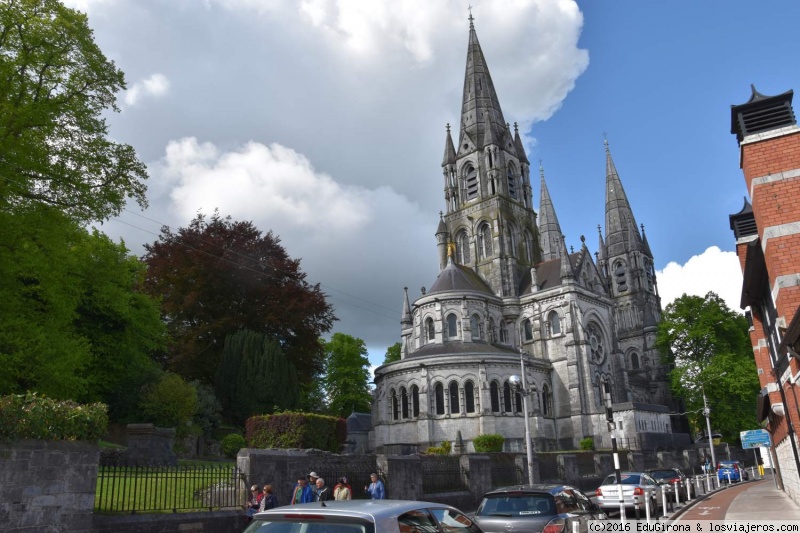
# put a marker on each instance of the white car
(363, 516)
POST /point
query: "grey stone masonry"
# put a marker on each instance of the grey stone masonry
(47, 486)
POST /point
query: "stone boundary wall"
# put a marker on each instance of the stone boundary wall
(202, 522)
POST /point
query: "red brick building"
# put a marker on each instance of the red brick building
(767, 232)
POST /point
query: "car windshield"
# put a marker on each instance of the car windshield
(310, 524)
(524, 504)
(627, 479)
(664, 474)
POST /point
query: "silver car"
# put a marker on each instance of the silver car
(637, 489)
(363, 516)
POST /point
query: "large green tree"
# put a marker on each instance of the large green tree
(55, 85)
(347, 375)
(254, 377)
(708, 347)
(74, 324)
(217, 277)
(393, 353)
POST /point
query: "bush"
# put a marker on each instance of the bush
(489, 443)
(296, 430)
(170, 402)
(231, 445)
(444, 449)
(587, 444)
(28, 416)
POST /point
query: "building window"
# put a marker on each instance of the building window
(469, 397)
(634, 361)
(506, 397)
(503, 332)
(462, 248)
(471, 183)
(495, 397)
(485, 241)
(547, 401)
(439, 398)
(555, 323)
(527, 330)
(404, 402)
(512, 182)
(517, 402)
(597, 349)
(492, 330)
(395, 406)
(476, 324)
(430, 331)
(454, 397)
(619, 277)
(528, 246)
(415, 401)
(452, 326)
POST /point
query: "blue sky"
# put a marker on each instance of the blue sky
(324, 121)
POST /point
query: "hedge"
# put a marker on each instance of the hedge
(296, 430)
(29, 416)
(491, 442)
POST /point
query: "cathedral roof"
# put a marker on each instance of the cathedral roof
(461, 348)
(459, 278)
(548, 274)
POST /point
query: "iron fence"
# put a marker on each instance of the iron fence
(443, 474)
(142, 489)
(505, 470)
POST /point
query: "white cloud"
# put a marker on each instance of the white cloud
(155, 86)
(713, 270)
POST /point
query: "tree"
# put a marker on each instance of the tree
(74, 324)
(217, 277)
(254, 377)
(169, 402)
(347, 375)
(707, 345)
(55, 85)
(392, 353)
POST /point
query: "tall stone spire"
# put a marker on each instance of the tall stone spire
(480, 107)
(449, 150)
(549, 228)
(622, 234)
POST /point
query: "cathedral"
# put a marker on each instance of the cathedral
(511, 300)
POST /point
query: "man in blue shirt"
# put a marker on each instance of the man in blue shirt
(302, 493)
(375, 489)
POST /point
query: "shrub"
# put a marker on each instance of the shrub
(231, 444)
(170, 402)
(296, 430)
(28, 416)
(587, 444)
(489, 443)
(444, 449)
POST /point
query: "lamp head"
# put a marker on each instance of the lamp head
(515, 381)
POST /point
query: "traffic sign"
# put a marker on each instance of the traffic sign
(755, 438)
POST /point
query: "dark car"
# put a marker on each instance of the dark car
(363, 516)
(731, 471)
(667, 478)
(535, 509)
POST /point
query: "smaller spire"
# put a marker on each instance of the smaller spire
(645, 244)
(600, 254)
(449, 149)
(406, 320)
(518, 145)
(567, 274)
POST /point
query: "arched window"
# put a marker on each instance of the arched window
(503, 332)
(454, 397)
(492, 330)
(527, 330)
(512, 182)
(619, 277)
(415, 401)
(471, 183)
(485, 241)
(439, 399)
(452, 326)
(517, 402)
(547, 401)
(555, 323)
(528, 246)
(511, 241)
(495, 396)
(597, 349)
(395, 406)
(462, 248)
(506, 397)
(469, 397)
(476, 324)
(430, 330)
(404, 402)
(634, 361)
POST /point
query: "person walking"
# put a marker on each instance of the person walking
(375, 488)
(268, 501)
(341, 491)
(302, 493)
(323, 494)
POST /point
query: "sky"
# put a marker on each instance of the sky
(324, 122)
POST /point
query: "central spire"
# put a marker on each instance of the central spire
(480, 109)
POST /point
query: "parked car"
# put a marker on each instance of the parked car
(731, 471)
(635, 488)
(667, 478)
(536, 509)
(363, 516)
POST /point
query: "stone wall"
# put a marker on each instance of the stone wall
(201, 522)
(47, 487)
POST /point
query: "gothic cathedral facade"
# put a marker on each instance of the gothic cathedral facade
(510, 299)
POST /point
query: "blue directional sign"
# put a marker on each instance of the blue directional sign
(755, 438)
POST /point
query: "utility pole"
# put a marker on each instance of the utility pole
(707, 413)
(612, 426)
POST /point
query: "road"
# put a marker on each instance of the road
(715, 507)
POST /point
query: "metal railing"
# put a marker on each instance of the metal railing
(443, 474)
(144, 489)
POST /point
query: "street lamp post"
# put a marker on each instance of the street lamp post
(707, 413)
(520, 386)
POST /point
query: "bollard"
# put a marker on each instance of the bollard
(688, 489)
(576, 527)
(677, 487)
(636, 507)
(664, 501)
(647, 505)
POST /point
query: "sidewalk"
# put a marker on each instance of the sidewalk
(762, 501)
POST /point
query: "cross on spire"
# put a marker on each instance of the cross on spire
(471, 18)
